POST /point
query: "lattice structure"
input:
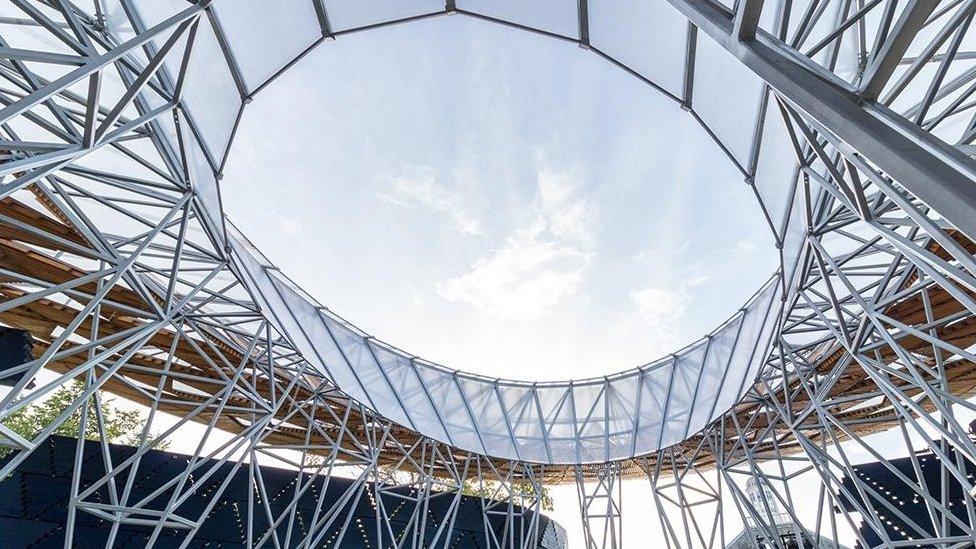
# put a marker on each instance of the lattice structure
(850, 120)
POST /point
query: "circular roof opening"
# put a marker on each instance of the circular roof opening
(495, 201)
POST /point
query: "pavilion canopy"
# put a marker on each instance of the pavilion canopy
(244, 44)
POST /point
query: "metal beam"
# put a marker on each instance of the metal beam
(584, 22)
(937, 173)
(691, 54)
(877, 74)
(323, 17)
(747, 18)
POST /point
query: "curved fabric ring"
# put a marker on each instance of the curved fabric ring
(622, 415)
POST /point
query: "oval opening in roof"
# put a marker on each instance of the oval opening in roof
(495, 201)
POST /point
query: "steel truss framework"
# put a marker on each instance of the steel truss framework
(115, 257)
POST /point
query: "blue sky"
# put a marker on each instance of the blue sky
(495, 201)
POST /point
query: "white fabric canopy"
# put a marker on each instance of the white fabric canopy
(600, 419)
(244, 44)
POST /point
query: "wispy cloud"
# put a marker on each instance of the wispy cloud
(417, 186)
(658, 308)
(539, 265)
(290, 225)
(659, 305)
(661, 302)
(522, 280)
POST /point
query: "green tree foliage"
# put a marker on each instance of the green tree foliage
(121, 426)
(491, 490)
(126, 426)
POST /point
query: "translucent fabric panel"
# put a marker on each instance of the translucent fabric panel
(560, 420)
(298, 290)
(353, 14)
(367, 371)
(116, 20)
(795, 231)
(165, 122)
(153, 12)
(687, 369)
(765, 341)
(726, 96)
(592, 449)
(448, 401)
(149, 14)
(492, 421)
(382, 394)
(265, 38)
(307, 331)
(799, 10)
(916, 89)
(251, 263)
(622, 406)
(555, 16)
(960, 71)
(121, 28)
(266, 294)
(204, 184)
(591, 412)
(719, 364)
(776, 171)
(244, 246)
(563, 450)
(523, 413)
(310, 332)
(654, 390)
(843, 61)
(273, 304)
(648, 36)
(556, 403)
(406, 382)
(342, 365)
(747, 357)
(209, 93)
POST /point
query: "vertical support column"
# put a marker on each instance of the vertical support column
(688, 499)
(599, 493)
(512, 498)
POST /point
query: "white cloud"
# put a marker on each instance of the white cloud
(679, 273)
(417, 186)
(416, 297)
(541, 264)
(660, 305)
(289, 225)
(564, 213)
(522, 280)
(659, 311)
(745, 250)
